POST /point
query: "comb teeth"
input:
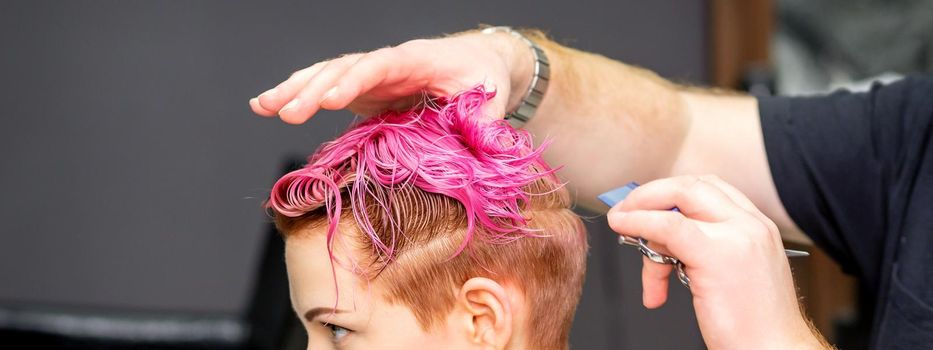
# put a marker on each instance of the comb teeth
(615, 196)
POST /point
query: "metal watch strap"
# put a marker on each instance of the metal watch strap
(539, 81)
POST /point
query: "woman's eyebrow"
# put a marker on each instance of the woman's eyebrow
(315, 312)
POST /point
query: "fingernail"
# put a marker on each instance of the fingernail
(290, 105)
(613, 218)
(271, 91)
(330, 93)
(616, 215)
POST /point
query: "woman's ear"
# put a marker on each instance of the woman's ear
(485, 310)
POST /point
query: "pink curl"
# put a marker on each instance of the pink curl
(444, 148)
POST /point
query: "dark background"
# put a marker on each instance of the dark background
(133, 170)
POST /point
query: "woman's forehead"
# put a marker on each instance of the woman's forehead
(312, 275)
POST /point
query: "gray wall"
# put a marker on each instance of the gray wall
(133, 170)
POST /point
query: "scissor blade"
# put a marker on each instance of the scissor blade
(791, 253)
(626, 240)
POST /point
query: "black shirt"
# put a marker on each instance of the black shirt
(855, 172)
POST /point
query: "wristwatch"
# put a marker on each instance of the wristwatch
(539, 82)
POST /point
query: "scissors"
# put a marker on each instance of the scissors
(615, 196)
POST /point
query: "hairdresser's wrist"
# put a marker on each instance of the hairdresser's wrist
(810, 343)
(517, 56)
(796, 334)
(805, 337)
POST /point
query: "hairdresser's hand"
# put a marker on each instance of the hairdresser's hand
(743, 292)
(395, 77)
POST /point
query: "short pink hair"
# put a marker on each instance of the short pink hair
(437, 196)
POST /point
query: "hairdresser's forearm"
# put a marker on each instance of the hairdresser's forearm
(612, 123)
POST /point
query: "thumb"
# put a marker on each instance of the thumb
(495, 108)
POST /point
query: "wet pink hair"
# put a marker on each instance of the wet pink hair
(442, 146)
(437, 196)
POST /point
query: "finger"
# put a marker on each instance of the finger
(495, 109)
(742, 201)
(257, 108)
(733, 193)
(655, 279)
(678, 234)
(275, 98)
(308, 100)
(383, 66)
(695, 198)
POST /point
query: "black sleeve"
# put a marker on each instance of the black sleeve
(840, 161)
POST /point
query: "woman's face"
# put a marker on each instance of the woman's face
(362, 319)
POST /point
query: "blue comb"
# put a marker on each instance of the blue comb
(615, 196)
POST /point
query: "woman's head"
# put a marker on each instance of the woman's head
(431, 226)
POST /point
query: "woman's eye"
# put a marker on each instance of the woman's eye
(336, 332)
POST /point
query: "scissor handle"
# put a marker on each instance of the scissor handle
(613, 197)
(651, 254)
(682, 275)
